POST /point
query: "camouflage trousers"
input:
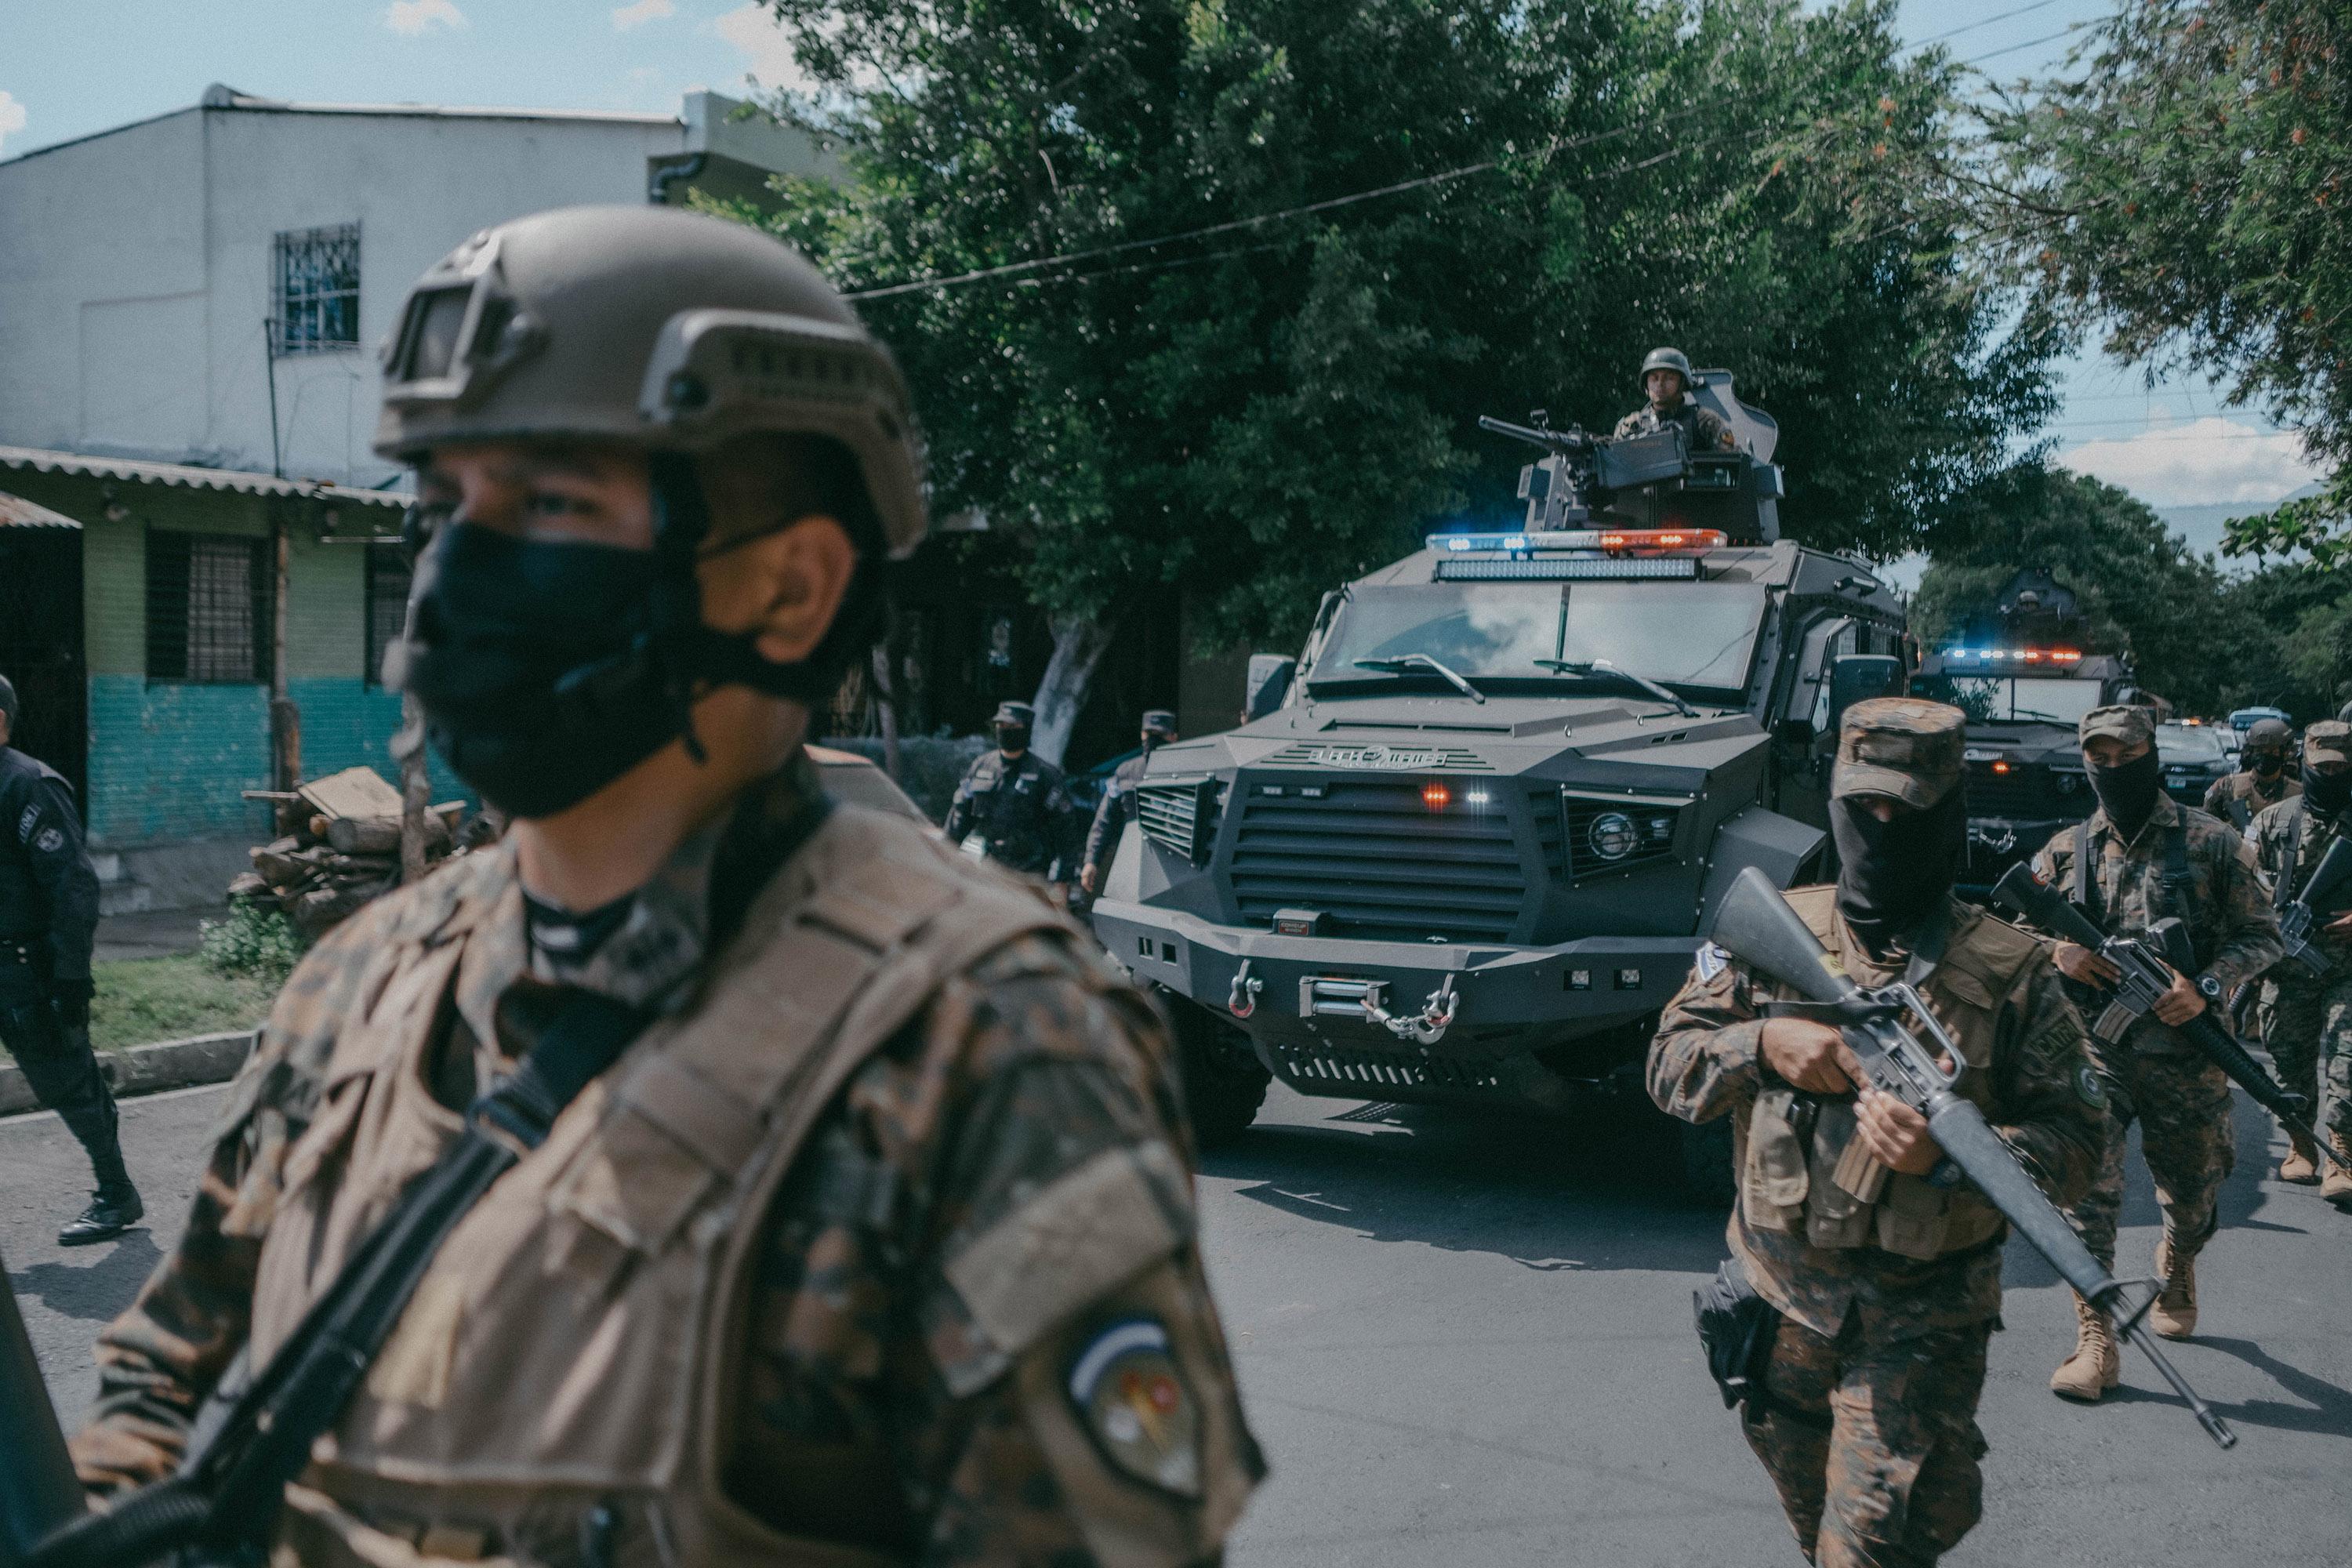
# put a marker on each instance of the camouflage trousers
(1885, 1474)
(2183, 1106)
(2310, 1037)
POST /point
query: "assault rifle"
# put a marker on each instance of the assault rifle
(2300, 916)
(1757, 926)
(37, 1488)
(2148, 965)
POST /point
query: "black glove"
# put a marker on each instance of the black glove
(71, 1001)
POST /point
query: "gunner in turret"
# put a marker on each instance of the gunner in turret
(1666, 378)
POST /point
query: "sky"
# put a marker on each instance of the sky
(70, 69)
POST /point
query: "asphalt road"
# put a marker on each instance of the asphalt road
(1467, 1342)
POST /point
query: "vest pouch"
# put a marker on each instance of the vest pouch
(633, 1184)
(329, 1136)
(1912, 1218)
(1773, 1196)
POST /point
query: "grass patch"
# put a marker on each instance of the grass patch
(140, 1000)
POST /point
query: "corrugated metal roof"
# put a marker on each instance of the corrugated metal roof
(15, 512)
(41, 461)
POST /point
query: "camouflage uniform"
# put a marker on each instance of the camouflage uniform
(2239, 798)
(2309, 1032)
(1871, 1434)
(2155, 1076)
(871, 1414)
(1703, 429)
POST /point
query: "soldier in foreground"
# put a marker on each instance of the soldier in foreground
(1013, 807)
(48, 927)
(2263, 781)
(2310, 1033)
(1665, 381)
(1117, 807)
(2141, 858)
(1866, 1420)
(873, 1243)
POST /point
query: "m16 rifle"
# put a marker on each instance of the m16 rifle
(1756, 925)
(37, 1488)
(2148, 965)
(2302, 914)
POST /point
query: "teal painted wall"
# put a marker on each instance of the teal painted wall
(167, 760)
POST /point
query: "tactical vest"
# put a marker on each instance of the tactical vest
(566, 1370)
(1790, 1144)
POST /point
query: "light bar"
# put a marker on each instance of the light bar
(1613, 540)
(2016, 654)
(1567, 569)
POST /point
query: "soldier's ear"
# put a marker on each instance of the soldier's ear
(787, 586)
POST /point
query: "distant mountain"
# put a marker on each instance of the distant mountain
(2201, 525)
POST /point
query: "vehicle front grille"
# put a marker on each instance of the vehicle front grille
(1381, 755)
(1377, 862)
(1181, 816)
(2028, 794)
(1319, 1066)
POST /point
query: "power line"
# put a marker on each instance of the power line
(1986, 22)
(2031, 43)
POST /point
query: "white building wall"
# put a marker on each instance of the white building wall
(136, 268)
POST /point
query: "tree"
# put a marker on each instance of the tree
(1395, 216)
(2187, 191)
(2207, 643)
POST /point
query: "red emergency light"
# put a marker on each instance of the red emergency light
(1661, 540)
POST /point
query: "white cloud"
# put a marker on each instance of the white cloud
(636, 16)
(12, 115)
(753, 30)
(414, 17)
(2211, 461)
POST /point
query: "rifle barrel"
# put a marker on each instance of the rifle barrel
(39, 1491)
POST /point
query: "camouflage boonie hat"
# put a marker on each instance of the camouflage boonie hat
(1902, 747)
(2329, 741)
(2132, 726)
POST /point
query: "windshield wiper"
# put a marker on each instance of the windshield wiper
(2036, 716)
(1603, 666)
(1404, 661)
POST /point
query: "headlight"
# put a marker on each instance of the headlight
(2068, 782)
(1612, 835)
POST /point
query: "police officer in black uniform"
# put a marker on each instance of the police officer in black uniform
(48, 925)
(1117, 807)
(1012, 805)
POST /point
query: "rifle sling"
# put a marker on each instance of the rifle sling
(2283, 890)
(241, 1476)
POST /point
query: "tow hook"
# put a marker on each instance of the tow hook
(1437, 1017)
(1242, 1000)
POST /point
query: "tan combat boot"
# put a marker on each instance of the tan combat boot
(2174, 1316)
(2094, 1368)
(2301, 1165)
(2337, 1187)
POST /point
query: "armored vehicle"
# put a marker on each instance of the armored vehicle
(2025, 682)
(1464, 848)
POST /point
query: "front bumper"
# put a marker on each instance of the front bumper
(1508, 1004)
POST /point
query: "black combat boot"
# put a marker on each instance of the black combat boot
(113, 1209)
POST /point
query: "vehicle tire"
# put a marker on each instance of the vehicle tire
(1225, 1083)
(1708, 1174)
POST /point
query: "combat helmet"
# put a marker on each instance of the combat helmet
(667, 329)
(1665, 359)
(2269, 734)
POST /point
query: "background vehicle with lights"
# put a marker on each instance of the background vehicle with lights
(1463, 849)
(2025, 681)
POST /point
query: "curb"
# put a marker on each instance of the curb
(149, 1070)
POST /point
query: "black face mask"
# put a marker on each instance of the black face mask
(1012, 737)
(1892, 875)
(2266, 764)
(2329, 794)
(2128, 790)
(1152, 742)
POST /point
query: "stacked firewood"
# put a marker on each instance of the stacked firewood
(338, 847)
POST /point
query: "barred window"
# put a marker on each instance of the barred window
(388, 604)
(316, 289)
(207, 608)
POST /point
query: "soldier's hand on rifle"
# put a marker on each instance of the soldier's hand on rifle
(2179, 1001)
(1895, 1135)
(2078, 963)
(1809, 1056)
(1089, 877)
(2340, 926)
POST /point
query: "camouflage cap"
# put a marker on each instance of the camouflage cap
(1159, 721)
(2329, 741)
(2269, 733)
(1010, 712)
(1902, 747)
(2132, 726)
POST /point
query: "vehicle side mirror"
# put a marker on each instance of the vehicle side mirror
(1858, 677)
(1268, 685)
